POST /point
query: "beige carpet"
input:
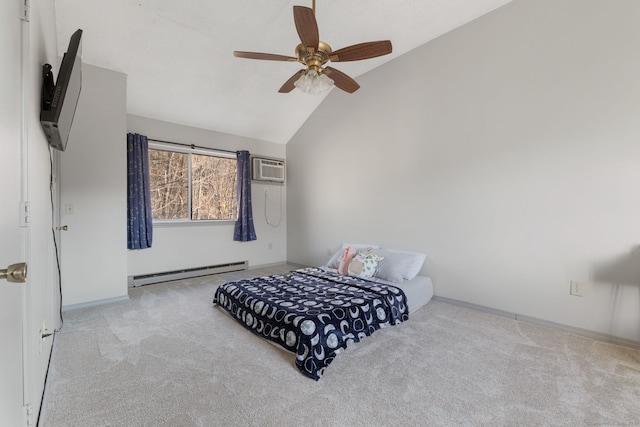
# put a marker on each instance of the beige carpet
(168, 357)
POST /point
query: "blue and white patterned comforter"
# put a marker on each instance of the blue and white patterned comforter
(312, 312)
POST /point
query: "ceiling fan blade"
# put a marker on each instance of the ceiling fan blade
(361, 51)
(307, 27)
(341, 80)
(265, 56)
(288, 86)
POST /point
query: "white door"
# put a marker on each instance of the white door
(11, 297)
(11, 235)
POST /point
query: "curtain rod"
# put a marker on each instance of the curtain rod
(192, 146)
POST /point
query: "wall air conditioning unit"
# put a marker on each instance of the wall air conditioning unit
(271, 170)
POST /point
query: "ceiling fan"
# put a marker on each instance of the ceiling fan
(314, 54)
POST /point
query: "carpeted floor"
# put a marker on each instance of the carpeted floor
(168, 357)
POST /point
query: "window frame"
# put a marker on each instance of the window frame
(164, 146)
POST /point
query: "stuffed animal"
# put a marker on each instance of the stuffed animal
(345, 260)
(361, 264)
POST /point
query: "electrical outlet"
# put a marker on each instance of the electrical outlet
(329, 252)
(576, 288)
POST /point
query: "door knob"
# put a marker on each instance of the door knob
(16, 273)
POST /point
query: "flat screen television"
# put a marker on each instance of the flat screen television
(59, 100)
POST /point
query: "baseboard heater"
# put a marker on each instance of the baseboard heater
(167, 276)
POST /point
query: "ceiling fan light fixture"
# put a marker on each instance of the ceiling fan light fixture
(313, 83)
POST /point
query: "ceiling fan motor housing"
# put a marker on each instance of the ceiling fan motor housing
(313, 60)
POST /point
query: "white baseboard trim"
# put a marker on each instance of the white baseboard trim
(94, 303)
(612, 339)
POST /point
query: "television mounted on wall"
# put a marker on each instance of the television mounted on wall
(59, 100)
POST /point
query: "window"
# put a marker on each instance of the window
(192, 185)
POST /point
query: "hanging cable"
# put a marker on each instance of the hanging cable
(55, 242)
(266, 195)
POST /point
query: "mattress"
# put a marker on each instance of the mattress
(418, 290)
(316, 313)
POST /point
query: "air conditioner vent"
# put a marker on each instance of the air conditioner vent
(271, 170)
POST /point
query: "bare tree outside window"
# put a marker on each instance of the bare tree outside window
(213, 186)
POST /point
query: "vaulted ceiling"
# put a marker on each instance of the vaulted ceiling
(178, 56)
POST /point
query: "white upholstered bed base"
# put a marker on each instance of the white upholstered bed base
(418, 290)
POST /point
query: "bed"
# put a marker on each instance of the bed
(316, 312)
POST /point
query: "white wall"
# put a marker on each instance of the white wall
(507, 150)
(93, 181)
(197, 245)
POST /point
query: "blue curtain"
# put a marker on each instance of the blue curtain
(139, 219)
(244, 230)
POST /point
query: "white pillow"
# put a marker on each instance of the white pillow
(397, 265)
(334, 261)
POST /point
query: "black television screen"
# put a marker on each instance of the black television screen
(59, 101)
